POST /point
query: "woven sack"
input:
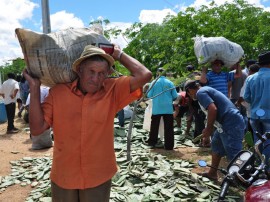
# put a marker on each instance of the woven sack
(49, 57)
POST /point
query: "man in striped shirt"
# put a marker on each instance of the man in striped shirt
(218, 79)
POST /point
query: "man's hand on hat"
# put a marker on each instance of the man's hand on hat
(117, 52)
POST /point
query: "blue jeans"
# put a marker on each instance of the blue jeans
(262, 126)
(229, 142)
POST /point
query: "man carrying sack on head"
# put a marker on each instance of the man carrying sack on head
(82, 116)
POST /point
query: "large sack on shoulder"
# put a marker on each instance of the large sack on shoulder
(208, 49)
(49, 57)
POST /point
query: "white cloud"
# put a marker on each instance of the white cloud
(120, 40)
(63, 20)
(155, 16)
(12, 12)
(10, 48)
(146, 16)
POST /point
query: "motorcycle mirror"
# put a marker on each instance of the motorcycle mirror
(260, 112)
(202, 163)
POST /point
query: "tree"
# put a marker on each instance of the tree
(171, 44)
(15, 67)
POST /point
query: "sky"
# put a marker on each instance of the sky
(27, 14)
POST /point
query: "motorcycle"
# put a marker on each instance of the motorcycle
(247, 170)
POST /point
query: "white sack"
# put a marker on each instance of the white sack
(49, 57)
(147, 120)
(208, 49)
(127, 112)
(42, 141)
(147, 116)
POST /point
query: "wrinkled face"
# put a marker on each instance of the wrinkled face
(92, 75)
(216, 66)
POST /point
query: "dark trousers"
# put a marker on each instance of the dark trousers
(199, 118)
(10, 109)
(121, 117)
(100, 193)
(168, 130)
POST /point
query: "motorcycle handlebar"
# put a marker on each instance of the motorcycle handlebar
(267, 134)
(229, 177)
(223, 190)
(262, 138)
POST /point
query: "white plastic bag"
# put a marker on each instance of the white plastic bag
(161, 129)
(147, 120)
(147, 116)
(42, 141)
(208, 49)
(127, 112)
(50, 56)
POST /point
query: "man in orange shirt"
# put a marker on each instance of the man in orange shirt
(82, 116)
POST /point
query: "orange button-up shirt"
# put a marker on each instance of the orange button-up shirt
(83, 155)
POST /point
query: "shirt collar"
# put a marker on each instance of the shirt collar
(74, 87)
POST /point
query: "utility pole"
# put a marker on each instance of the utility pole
(46, 16)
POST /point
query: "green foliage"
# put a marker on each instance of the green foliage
(171, 44)
(15, 67)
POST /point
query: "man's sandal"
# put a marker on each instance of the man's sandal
(215, 179)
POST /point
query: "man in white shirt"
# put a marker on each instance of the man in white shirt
(9, 91)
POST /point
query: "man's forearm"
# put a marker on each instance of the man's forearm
(139, 72)
(211, 117)
(203, 78)
(36, 119)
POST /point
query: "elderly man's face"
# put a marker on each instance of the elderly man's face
(92, 75)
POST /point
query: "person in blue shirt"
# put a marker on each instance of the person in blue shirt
(218, 79)
(257, 93)
(223, 120)
(165, 93)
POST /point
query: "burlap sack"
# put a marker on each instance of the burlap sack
(208, 49)
(49, 57)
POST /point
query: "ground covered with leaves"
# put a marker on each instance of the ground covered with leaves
(150, 175)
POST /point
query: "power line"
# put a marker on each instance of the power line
(173, 6)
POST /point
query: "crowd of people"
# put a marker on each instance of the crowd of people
(220, 104)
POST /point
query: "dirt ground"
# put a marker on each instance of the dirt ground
(17, 146)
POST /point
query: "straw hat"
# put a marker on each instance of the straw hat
(90, 51)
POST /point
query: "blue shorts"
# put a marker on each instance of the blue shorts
(229, 142)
